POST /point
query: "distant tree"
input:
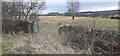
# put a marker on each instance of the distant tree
(73, 7)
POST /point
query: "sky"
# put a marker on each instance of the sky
(85, 5)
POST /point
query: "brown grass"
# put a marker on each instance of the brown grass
(47, 40)
(86, 21)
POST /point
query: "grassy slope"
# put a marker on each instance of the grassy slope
(49, 33)
(9, 41)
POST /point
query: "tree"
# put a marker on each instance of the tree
(31, 10)
(25, 11)
(73, 7)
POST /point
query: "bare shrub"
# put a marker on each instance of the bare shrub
(14, 26)
(97, 40)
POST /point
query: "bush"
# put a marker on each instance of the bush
(83, 37)
(114, 17)
(15, 26)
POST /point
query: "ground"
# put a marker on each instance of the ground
(46, 41)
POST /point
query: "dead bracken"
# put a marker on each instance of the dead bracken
(98, 40)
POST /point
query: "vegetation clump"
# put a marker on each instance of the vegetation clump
(114, 17)
(97, 40)
(15, 26)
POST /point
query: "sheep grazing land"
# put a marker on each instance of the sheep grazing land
(61, 35)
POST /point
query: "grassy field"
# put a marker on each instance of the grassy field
(46, 41)
(86, 21)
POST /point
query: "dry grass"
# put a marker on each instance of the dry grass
(86, 21)
(9, 41)
(46, 41)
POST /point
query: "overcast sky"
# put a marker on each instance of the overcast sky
(85, 5)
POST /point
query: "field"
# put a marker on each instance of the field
(86, 21)
(46, 41)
